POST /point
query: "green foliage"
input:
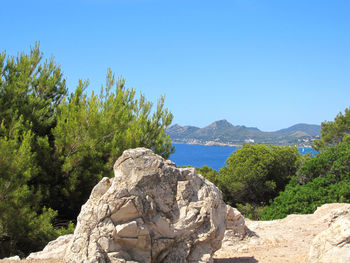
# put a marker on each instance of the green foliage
(323, 179)
(304, 199)
(209, 173)
(54, 149)
(334, 132)
(250, 211)
(23, 226)
(29, 94)
(256, 173)
(333, 160)
(32, 89)
(92, 132)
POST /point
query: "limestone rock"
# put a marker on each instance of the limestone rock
(54, 249)
(333, 244)
(236, 229)
(284, 240)
(151, 211)
(14, 258)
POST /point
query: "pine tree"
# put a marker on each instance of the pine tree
(92, 132)
(55, 148)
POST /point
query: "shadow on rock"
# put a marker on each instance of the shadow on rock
(236, 260)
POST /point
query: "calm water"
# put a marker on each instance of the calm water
(213, 156)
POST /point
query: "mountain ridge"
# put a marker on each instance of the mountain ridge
(222, 132)
(311, 129)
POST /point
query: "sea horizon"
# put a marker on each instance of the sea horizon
(214, 156)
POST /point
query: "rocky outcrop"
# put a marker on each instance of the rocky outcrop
(319, 237)
(151, 211)
(54, 249)
(333, 244)
(10, 259)
(236, 229)
(290, 239)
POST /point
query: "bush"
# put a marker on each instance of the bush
(323, 179)
(251, 212)
(257, 173)
(304, 199)
(333, 160)
(334, 132)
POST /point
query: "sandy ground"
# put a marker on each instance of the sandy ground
(275, 242)
(280, 241)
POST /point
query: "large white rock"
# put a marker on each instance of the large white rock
(151, 211)
(54, 249)
(333, 244)
(10, 259)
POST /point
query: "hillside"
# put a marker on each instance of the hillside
(223, 132)
(308, 129)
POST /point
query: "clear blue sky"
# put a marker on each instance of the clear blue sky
(263, 63)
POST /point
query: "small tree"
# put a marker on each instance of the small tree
(30, 91)
(256, 173)
(92, 132)
(334, 132)
(24, 225)
(54, 149)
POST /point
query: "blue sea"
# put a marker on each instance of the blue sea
(213, 156)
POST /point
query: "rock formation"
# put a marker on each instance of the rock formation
(290, 239)
(10, 259)
(236, 229)
(333, 244)
(55, 249)
(150, 211)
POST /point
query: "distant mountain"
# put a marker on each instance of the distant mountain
(223, 132)
(181, 131)
(308, 129)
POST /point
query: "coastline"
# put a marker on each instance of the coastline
(213, 156)
(209, 143)
(213, 143)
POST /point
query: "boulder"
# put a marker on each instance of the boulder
(10, 259)
(333, 244)
(151, 211)
(236, 229)
(54, 249)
